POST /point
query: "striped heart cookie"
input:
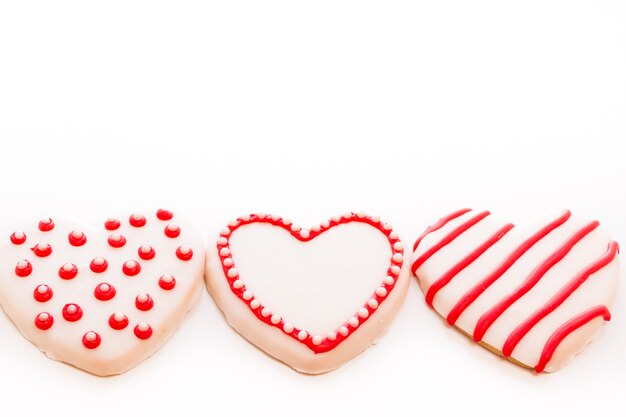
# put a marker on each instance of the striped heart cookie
(313, 298)
(536, 294)
(101, 298)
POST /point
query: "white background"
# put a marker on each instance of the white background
(308, 109)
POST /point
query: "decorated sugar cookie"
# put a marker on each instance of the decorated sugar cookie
(313, 298)
(535, 294)
(101, 298)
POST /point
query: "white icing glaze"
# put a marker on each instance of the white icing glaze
(307, 282)
(119, 350)
(317, 285)
(598, 289)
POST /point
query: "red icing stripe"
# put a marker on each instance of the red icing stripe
(470, 296)
(464, 263)
(491, 315)
(521, 330)
(441, 223)
(326, 343)
(458, 231)
(562, 332)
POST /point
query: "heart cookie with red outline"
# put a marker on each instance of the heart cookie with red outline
(101, 298)
(536, 294)
(313, 298)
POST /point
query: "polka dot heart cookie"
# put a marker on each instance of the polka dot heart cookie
(535, 294)
(101, 298)
(313, 298)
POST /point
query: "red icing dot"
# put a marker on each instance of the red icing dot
(118, 321)
(144, 302)
(44, 321)
(184, 253)
(112, 224)
(42, 249)
(116, 240)
(98, 265)
(68, 271)
(77, 238)
(72, 312)
(17, 238)
(23, 268)
(167, 282)
(104, 291)
(143, 331)
(137, 220)
(146, 252)
(46, 225)
(131, 268)
(42, 293)
(172, 230)
(91, 340)
(164, 214)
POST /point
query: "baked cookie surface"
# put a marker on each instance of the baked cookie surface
(313, 298)
(536, 294)
(101, 298)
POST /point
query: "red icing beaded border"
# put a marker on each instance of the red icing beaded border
(304, 235)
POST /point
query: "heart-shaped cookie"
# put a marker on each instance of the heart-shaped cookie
(536, 294)
(313, 298)
(102, 299)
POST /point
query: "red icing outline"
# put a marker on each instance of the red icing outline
(562, 332)
(326, 344)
